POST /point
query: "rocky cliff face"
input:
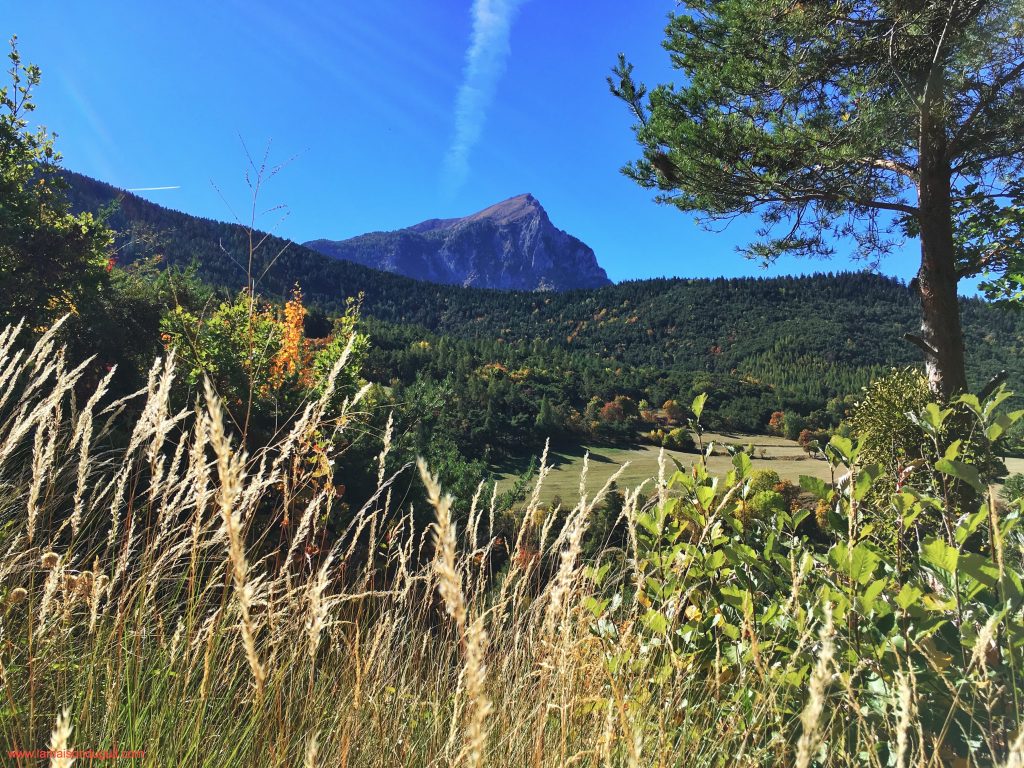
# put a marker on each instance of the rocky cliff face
(512, 245)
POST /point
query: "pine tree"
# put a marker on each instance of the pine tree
(545, 422)
(870, 119)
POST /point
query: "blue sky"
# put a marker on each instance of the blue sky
(385, 113)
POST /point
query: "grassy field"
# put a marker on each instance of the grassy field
(768, 452)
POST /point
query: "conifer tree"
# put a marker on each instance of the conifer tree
(870, 120)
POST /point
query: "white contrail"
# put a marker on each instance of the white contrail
(485, 62)
(152, 189)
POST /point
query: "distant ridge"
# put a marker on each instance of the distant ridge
(511, 245)
(836, 330)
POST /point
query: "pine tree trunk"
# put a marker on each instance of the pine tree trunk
(937, 279)
(940, 318)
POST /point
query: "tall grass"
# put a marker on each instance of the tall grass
(151, 599)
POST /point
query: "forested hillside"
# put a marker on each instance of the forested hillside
(756, 344)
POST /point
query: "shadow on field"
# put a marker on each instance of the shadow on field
(557, 457)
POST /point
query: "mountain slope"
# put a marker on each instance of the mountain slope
(510, 246)
(821, 335)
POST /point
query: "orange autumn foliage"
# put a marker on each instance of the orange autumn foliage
(291, 358)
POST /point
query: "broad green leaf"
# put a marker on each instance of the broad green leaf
(715, 560)
(968, 473)
(971, 401)
(742, 463)
(595, 606)
(938, 604)
(655, 621)
(814, 485)
(1001, 396)
(843, 446)
(859, 563)
(698, 404)
(706, 495)
(649, 523)
(935, 416)
(861, 486)
(979, 568)
(998, 427)
(908, 596)
(736, 597)
(970, 524)
(939, 554)
(952, 450)
(869, 596)
(911, 516)
(730, 630)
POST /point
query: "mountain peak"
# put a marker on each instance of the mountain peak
(509, 245)
(503, 213)
(510, 210)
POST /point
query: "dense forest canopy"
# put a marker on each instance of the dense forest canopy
(759, 344)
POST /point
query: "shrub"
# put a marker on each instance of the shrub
(655, 436)
(899, 429)
(811, 438)
(763, 480)
(679, 439)
(789, 491)
(612, 412)
(673, 411)
(765, 504)
(1013, 488)
(876, 608)
(882, 421)
(259, 360)
(793, 425)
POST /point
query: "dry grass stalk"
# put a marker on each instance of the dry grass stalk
(59, 742)
(230, 468)
(474, 636)
(449, 581)
(1015, 757)
(312, 748)
(904, 723)
(810, 718)
(55, 565)
(480, 705)
(318, 609)
(42, 463)
(82, 438)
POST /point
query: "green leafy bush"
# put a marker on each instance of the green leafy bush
(796, 613)
(764, 504)
(679, 439)
(51, 260)
(763, 480)
(259, 360)
(881, 421)
(1013, 488)
(900, 433)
